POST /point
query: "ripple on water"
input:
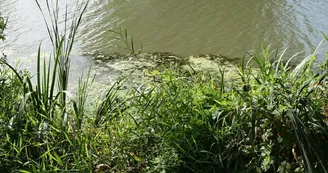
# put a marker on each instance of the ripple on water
(185, 27)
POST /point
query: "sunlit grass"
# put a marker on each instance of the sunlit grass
(270, 119)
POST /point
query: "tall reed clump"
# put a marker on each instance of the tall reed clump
(44, 128)
(42, 131)
(62, 45)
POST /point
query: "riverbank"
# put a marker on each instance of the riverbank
(174, 114)
(140, 68)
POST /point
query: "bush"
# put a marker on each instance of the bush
(273, 122)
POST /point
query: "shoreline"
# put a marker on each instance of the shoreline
(140, 68)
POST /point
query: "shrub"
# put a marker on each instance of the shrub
(270, 119)
(273, 122)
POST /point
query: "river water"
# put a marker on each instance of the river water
(184, 27)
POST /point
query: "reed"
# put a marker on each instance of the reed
(272, 118)
(128, 41)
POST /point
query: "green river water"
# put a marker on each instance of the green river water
(184, 27)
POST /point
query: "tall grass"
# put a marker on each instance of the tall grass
(288, 94)
(270, 123)
(271, 119)
(62, 46)
(128, 41)
(42, 109)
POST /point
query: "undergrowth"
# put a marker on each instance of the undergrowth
(272, 118)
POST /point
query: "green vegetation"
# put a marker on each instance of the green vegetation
(3, 24)
(123, 36)
(271, 119)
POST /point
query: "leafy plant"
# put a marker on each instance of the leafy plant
(272, 118)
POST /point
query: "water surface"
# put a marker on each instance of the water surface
(230, 27)
(185, 27)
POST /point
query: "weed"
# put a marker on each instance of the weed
(122, 35)
(271, 119)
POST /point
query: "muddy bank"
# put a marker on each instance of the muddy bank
(135, 68)
(125, 63)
